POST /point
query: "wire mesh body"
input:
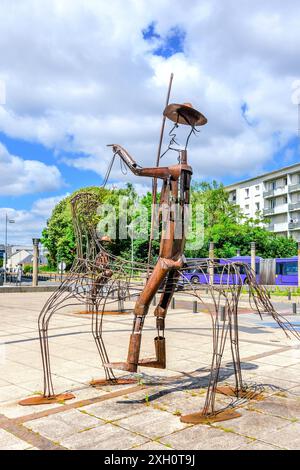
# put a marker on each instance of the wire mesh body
(98, 279)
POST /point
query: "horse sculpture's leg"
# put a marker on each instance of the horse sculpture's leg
(53, 304)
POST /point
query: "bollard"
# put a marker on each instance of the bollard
(289, 295)
(223, 313)
(173, 303)
(35, 261)
(195, 307)
(154, 301)
(253, 257)
(294, 308)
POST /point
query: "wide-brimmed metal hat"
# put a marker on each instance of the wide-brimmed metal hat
(185, 114)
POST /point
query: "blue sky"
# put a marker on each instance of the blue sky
(78, 76)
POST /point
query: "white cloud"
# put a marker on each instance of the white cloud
(79, 75)
(18, 176)
(28, 223)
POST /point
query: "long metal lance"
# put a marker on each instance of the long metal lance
(154, 181)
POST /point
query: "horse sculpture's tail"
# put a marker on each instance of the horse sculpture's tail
(259, 296)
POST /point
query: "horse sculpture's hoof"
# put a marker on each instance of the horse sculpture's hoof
(243, 393)
(42, 400)
(203, 418)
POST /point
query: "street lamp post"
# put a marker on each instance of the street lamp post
(7, 221)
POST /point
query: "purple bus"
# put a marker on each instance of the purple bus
(275, 271)
(286, 272)
(201, 276)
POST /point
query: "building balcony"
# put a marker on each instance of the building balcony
(277, 227)
(294, 206)
(268, 211)
(281, 209)
(294, 187)
(294, 226)
(275, 192)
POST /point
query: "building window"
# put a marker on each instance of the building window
(257, 205)
(273, 185)
(247, 192)
(257, 188)
(272, 203)
(247, 206)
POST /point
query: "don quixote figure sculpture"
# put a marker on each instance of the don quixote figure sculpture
(98, 278)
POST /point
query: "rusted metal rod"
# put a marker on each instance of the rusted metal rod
(154, 181)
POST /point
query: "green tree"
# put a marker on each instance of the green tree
(230, 230)
(224, 224)
(58, 236)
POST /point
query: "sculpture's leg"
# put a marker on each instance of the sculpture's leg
(208, 413)
(110, 378)
(239, 390)
(160, 313)
(43, 323)
(158, 275)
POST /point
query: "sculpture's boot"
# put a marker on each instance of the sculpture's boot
(160, 349)
(133, 355)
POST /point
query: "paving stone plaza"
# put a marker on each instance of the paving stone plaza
(144, 415)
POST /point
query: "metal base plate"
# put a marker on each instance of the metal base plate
(106, 312)
(200, 418)
(120, 381)
(41, 400)
(232, 392)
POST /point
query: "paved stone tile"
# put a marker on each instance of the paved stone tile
(61, 425)
(75, 362)
(104, 437)
(274, 384)
(259, 445)
(253, 424)
(13, 410)
(152, 423)
(283, 407)
(152, 445)
(10, 442)
(202, 437)
(115, 408)
(288, 438)
(9, 391)
(294, 392)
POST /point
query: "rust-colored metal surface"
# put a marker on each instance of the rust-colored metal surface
(105, 312)
(118, 381)
(185, 114)
(204, 418)
(42, 400)
(238, 393)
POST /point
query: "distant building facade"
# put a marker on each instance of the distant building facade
(276, 194)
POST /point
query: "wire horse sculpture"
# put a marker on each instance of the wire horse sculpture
(98, 278)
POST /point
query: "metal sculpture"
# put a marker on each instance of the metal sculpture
(98, 278)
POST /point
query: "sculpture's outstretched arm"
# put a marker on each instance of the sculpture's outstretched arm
(156, 172)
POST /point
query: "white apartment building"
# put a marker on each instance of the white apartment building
(276, 195)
